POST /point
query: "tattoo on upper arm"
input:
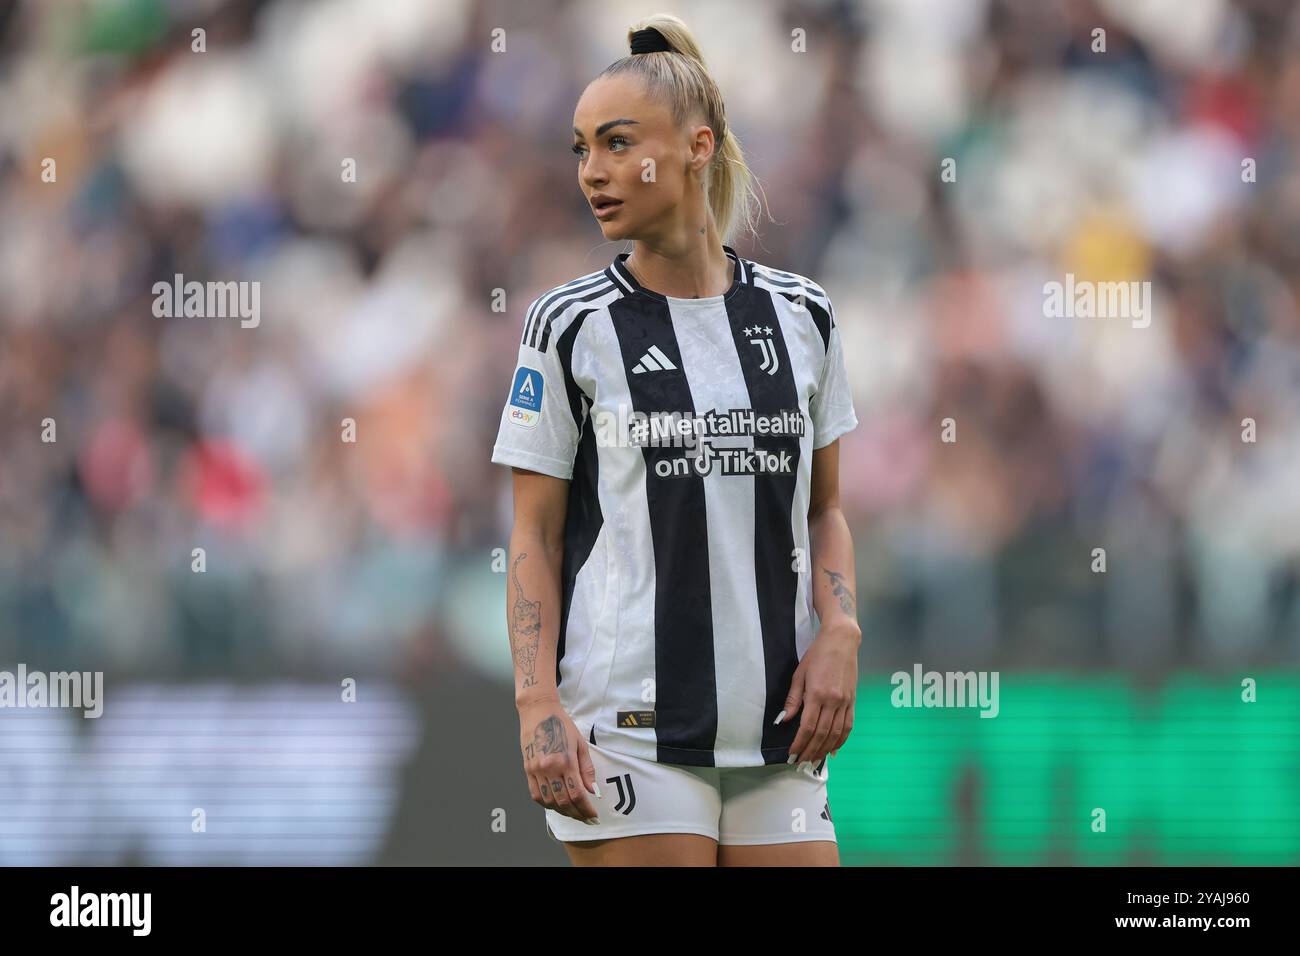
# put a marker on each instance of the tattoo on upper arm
(525, 628)
(840, 590)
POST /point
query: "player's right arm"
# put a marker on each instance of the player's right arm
(538, 438)
(556, 762)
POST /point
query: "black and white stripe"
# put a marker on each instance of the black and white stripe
(681, 592)
(548, 307)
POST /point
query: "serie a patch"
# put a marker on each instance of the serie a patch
(526, 396)
(636, 718)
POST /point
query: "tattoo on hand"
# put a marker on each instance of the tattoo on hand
(525, 628)
(549, 737)
(840, 590)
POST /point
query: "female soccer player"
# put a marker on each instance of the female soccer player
(672, 430)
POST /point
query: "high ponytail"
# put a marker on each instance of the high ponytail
(681, 79)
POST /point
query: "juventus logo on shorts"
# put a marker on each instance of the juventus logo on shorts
(627, 796)
(770, 361)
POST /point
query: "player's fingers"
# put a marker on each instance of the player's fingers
(807, 724)
(534, 791)
(560, 794)
(836, 736)
(587, 767)
(544, 792)
(579, 799)
(549, 769)
(561, 775)
(848, 725)
(816, 748)
(794, 699)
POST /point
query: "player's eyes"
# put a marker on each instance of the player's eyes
(578, 149)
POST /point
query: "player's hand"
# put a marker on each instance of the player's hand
(825, 685)
(557, 760)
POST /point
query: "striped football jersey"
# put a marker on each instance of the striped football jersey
(686, 429)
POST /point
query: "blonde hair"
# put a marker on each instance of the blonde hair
(681, 79)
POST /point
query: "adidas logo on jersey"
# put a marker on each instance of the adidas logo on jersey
(654, 360)
(636, 718)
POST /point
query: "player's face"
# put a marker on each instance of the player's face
(642, 161)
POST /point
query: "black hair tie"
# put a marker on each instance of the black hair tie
(650, 40)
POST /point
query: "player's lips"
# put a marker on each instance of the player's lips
(605, 205)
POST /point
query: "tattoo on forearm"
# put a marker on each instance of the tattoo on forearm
(840, 590)
(525, 628)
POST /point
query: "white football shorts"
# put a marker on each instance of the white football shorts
(776, 803)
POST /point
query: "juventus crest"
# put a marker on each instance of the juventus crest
(770, 361)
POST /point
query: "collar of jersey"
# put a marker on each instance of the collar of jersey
(623, 275)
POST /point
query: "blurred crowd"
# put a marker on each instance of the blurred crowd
(931, 163)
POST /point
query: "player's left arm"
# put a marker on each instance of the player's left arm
(825, 683)
(834, 585)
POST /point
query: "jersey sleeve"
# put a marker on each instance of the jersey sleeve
(538, 429)
(831, 407)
